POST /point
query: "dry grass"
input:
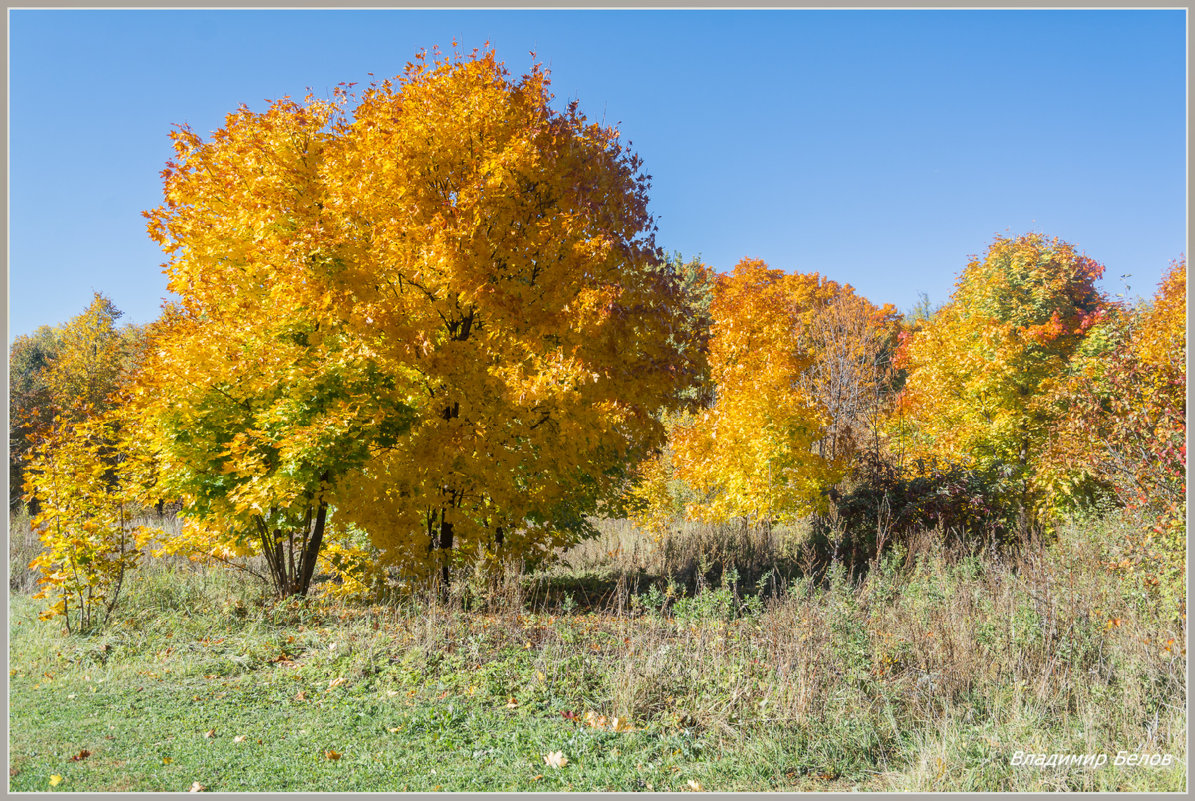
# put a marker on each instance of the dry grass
(928, 670)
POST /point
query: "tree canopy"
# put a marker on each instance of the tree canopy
(441, 316)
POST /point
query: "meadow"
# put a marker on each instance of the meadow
(711, 658)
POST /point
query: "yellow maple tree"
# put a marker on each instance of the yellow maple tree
(440, 316)
(504, 252)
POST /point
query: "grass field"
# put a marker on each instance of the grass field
(927, 672)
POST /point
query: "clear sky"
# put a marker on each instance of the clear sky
(879, 148)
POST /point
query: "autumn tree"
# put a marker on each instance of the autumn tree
(76, 475)
(793, 363)
(66, 371)
(851, 377)
(503, 251)
(441, 318)
(28, 394)
(1122, 420)
(980, 372)
(88, 494)
(255, 399)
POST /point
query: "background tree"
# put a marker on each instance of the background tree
(1122, 422)
(851, 376)
(28, 396)
(796, 362)
(67, 371)
(981, 370)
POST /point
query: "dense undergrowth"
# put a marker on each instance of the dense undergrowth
(717, 658)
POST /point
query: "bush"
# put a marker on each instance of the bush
(885, 504)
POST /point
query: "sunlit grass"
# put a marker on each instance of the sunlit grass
(926, 672)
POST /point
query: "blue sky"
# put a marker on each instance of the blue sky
(879, 148)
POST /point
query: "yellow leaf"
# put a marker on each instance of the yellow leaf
(196, 787)
(55, 780)
(555, 759)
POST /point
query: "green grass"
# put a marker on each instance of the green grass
(928, 673)
(141, 704)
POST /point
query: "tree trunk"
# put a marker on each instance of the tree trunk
(292, 572)
(446, 533)
(311, 552)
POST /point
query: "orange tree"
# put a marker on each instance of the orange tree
(793, 363)
(1124, 420)
(443, 319)
(981, 370)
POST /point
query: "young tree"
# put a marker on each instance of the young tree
(66, 371)
(88, 490)
(980, 371)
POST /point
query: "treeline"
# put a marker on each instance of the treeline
(1028, 398)
(435, 327)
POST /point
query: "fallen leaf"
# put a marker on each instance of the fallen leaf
(391, 693)
(695, 785)
(81, 755)
(556, 759)
(568, 714)
(240, 738)
(336, 682)
(55, 780)
(166, 760)
(300, 696)
(210, 733)
(537, 777)
(511, 703)
(330, 754)
(395, 729)
(196, 787)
